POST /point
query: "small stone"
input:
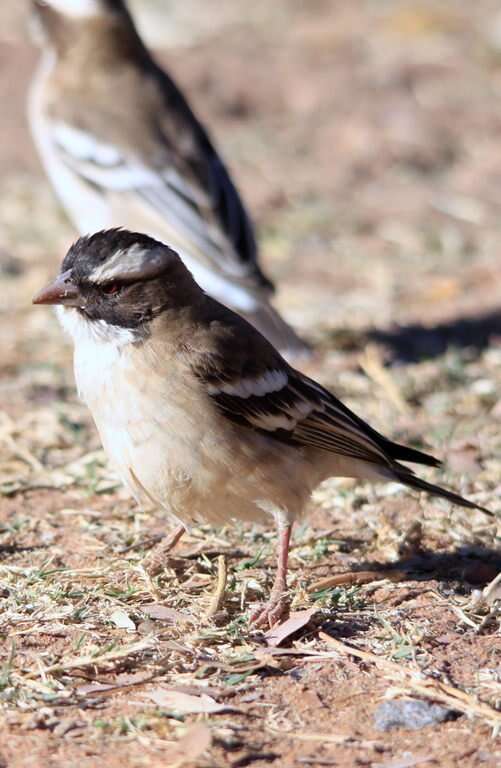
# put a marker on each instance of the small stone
(411, 714)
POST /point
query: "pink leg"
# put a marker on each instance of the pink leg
(277, 606)
(154, 561)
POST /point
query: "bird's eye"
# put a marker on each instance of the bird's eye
(111, 289)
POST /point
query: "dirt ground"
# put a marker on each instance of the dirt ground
(366, 139)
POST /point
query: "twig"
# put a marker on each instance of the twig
(355, 577)
(372, 365)
(218, 596)
(326, 738)
(86, 661)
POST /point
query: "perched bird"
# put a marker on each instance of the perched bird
(197, 410)
(122, 147)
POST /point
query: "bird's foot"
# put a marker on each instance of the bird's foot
(273, 612)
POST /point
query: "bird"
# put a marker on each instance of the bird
(198, 412)
(121, 146)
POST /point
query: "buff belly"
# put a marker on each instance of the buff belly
(171, 447)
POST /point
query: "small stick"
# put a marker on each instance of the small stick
(154, 562)
(218, 596)
(355, 577)
(89, 661)
(373, 367)
(326, 738)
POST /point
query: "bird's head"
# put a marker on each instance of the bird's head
(113, 284)
(61, 23)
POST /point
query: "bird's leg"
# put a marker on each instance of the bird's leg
(277, 606)
(154, 562)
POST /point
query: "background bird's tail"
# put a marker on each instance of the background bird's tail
(278, 332)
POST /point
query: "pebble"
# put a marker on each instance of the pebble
(411, 714)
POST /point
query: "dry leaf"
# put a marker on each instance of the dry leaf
(190, 747)
(186, 703)
(120, 682)
(295, 622)
(122, 620)
(164, 613)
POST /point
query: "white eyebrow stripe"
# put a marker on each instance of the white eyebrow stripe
(122, 261)
(270, 381)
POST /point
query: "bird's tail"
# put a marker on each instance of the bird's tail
(406, 476)
(278, 332)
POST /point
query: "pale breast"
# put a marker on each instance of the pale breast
(170, 445)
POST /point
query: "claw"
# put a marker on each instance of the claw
(271, 613)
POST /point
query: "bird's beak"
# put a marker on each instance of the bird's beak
(61, 291)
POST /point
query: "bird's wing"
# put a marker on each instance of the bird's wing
(253, 386)
(194, 196)
(291, 408)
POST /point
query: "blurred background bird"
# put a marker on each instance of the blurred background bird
(121, 146)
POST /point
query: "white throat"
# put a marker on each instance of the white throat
(94, 332)
(99, 350)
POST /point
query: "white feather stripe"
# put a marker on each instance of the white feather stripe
(83, 146)
(270, 381)
(119, 178)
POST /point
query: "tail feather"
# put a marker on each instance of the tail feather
(279, 333)
(403, 475)
(404, 453)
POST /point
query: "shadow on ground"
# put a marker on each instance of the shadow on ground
(466, 567)
(413, 343)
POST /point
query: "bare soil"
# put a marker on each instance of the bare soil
(365, 137)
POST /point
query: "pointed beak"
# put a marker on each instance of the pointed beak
(61, 291)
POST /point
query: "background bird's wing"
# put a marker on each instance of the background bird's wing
(189, 189)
